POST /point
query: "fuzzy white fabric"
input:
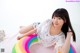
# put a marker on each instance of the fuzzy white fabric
(46, 38)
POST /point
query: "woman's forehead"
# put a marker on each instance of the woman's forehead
(56, 17)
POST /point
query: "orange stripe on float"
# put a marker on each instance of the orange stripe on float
(19, 48)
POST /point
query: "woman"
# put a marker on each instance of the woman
(54, 34)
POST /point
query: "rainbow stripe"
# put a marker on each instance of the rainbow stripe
(23, 45)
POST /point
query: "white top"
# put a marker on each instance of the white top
(46, 37)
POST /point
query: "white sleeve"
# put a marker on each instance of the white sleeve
(61, 40)
(39, 28)
(35, 24)
(39, 25)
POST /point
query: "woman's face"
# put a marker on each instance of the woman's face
(57, 22)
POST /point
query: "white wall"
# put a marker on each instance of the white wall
(14, 13)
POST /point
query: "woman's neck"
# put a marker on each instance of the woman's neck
(54, 30)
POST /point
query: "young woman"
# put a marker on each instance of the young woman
(54, 34)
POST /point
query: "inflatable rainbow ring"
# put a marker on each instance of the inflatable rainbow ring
(23, 45)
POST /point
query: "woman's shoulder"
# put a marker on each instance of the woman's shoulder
(44, 23)
(48, 20)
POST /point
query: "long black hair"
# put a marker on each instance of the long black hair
(63, 13)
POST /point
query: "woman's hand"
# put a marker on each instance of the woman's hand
(18, 38)
(69, 33)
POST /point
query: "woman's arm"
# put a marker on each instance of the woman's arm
(26, 29)
(25, 34)
(29, 32)
(66, 47)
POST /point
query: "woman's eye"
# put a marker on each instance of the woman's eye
(59, 18)
(54, 17)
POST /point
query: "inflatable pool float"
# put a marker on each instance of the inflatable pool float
(23, 45)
